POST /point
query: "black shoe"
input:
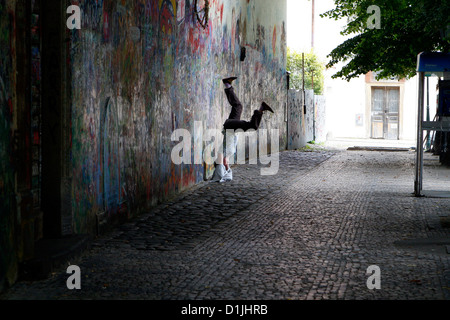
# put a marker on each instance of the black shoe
(229, 80)
(265, 107)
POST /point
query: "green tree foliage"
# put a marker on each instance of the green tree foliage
(408, 27)
(313, 71)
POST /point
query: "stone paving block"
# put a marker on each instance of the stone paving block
(309, 232)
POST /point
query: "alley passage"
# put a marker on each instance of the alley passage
(310, 232)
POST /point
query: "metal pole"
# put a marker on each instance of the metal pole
(288, 76)
(428, 113)
(303, 85)
(312, 25)
(314, 108)
(419, 150)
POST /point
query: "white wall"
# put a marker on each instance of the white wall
(411, 104)
(345, 100)
(299, 21)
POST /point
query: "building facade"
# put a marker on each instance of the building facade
(367, 108)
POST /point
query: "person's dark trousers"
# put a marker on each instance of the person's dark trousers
(234, 119)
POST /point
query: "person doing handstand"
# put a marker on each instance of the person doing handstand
(222, 170)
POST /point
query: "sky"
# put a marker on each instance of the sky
(326, 31)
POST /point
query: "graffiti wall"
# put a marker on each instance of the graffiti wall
(143, 68)
(305, 127)
(296, 120)
(7, 186)
(320, 119)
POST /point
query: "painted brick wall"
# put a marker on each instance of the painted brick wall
(7, 185)
(302, 127)
(143, 68)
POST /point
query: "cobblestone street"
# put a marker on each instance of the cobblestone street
(309, 232)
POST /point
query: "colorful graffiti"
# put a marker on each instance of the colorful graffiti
(160, 71)
(167, 15)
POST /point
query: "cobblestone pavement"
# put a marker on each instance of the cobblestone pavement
(309, 232)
